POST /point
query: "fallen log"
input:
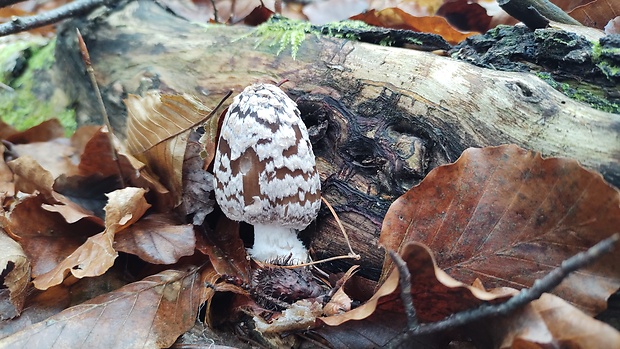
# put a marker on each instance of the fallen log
(380, 118)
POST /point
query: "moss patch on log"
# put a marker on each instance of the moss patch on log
(30, 96)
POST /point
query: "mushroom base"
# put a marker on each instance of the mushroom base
(277, 243)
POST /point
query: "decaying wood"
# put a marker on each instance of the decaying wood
(380, 118)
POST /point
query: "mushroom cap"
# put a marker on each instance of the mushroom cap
(264, 167)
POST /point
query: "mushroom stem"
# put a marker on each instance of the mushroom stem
(276, 243)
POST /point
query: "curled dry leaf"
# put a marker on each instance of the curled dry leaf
(150, 313)
(97, 254)
(31, 177)
(158, 127)
(398, 19)
(435, 294)
(548, 321)
(14, 277)
(48, 238)
(157, 238)
(43, 132)
(7, 186)
(508, 217)
(226, 250)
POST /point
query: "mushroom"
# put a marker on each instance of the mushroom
(265, 172)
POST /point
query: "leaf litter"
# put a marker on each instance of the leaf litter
(486, 210)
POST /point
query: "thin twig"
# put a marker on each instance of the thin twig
(346, 236)
(404, 280)
(546, 284)
(75, 8)
(104, 113)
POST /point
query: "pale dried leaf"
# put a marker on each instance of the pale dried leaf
(158, 128)
(57, 156)
(30, 176)
(97, 255)
(14, 277)
(150, 313)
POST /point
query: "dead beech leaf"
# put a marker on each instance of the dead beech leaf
(158, 127)
(397, 19)
(31, 177)
(7, 186)
(572, 328)
(547, 322)
(48, 239)
(97, 254)
(508, 217)
(150, 313)
(435, 294)
(157, 238)
(381, 320)
(43, 132)
(226, 251)
(597, 13)
(14, 277)
(56, 156)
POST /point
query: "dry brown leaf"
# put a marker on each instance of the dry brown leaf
(571, 328)
(508, 217)
(14, 277)
(412, 7)
(596, 13)
(150, 313)
(158, 127)
(97, 255)
(397, 19)
(40, 306)
(465, 15)
(226, 251)
(56, 156)
(43, 132)
(157, 238)
(7, 185)
(381, 319)
(435, 294)
(30, 177)
(47, 239)
(6, 130)
(547, 322)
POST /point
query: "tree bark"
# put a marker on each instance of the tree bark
(380, 117)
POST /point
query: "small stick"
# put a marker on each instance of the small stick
(75, 8)
(106, 119)
(525, 296)
(404, 279)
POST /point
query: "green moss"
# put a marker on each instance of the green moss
(600, 57)
(34, 97)
(584, 93)
(283, 32)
